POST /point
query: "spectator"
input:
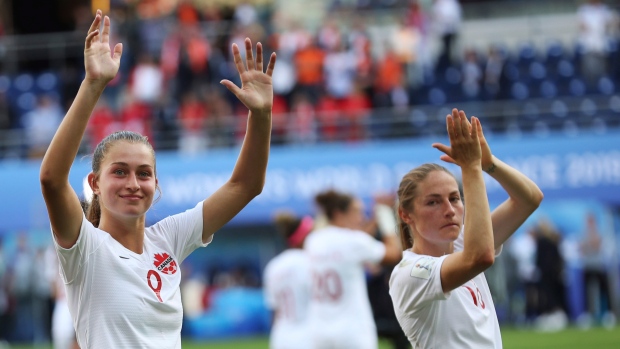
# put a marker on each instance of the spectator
(551, 287)
(40, 125)
(339, 71)
(597, 290)
(146, 81)
(309, 62)
(302, 125)
(595, 25)
(472, 75)
(446, 20)
(193, 120)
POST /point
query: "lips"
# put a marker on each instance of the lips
(450, 225)
(131, 197)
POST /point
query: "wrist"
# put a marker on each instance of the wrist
(95, 85)
(489, 168)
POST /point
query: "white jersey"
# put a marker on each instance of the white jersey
(340, 312)
(288, 287)
(462, 318)
(121, 299)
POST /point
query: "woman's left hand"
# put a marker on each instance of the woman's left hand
(256, 91)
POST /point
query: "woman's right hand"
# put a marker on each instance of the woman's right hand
(101, 65)
(464, 149)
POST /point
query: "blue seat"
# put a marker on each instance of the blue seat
(24, 82)
(548, 89)
(519, 91)
(47, 82)
(537, 71)
(606, 86)
(436, 96)
(527, 54)
(554, 53)
(577, 87)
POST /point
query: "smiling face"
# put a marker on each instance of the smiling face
(126, 183)
(437, 213)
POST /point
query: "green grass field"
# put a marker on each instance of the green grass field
(513, 339)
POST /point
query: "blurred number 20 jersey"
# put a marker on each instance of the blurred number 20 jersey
(340, 313)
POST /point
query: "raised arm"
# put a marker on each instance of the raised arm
(524, 196)
(248, 177)
(62, 203)
(478, 252)
(385, 218)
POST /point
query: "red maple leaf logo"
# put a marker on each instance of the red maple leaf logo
(164, 263)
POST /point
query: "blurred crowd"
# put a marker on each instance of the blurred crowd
(347, 79)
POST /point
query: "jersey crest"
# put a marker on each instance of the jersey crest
(165, 263)
(423, 267)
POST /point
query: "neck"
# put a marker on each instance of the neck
(420, 246)
(129, 233)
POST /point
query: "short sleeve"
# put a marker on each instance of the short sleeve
(182, 231)
(367, 248)
(73, 259)
(416, 281)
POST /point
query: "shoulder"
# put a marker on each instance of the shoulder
(415, 267)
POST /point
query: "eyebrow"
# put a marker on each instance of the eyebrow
(127, 165)
(439, 195)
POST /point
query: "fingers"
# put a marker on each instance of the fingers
(474, 130)
(231, 87)
(90, 38)
(272, 64)
(442, 148)
(462, 114)
(105, 35)
(259, 57)
(96, 22)
(249, 56)
(93, 31)
(479, 129)
(465, 125)
(448, 159)
(118, 52)
(456, 123)
(237, 59)
(451, 128)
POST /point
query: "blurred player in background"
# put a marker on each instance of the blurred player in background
(63, 333)
(122, 279)
(288, 285)
(340, 313)
(439, 290)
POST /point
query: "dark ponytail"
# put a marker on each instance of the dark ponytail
(93, 211)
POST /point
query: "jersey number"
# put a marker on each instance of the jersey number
(155, 285)
(286, 303)
(476, 296)
(327, 286)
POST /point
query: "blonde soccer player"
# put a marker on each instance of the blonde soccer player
(439, 292)
(122, 278)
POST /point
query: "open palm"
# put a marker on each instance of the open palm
(256, 91)
(101, 65)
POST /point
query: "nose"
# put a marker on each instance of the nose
(132, 183)
(449, 209)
